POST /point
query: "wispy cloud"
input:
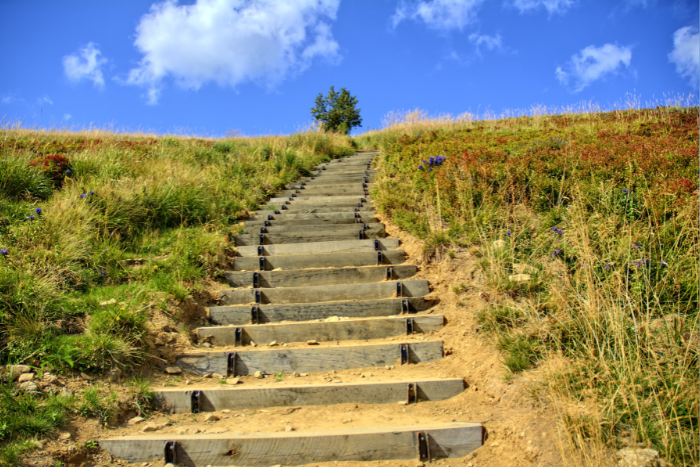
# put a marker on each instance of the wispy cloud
(86, 64)
(44, 100)
(686, 54)
(67, 117)
(592, 64)
(552, 6)
(231, 41)
(489, 42)
(442, 15)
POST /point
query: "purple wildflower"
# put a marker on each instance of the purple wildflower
(83, 195)
(663, 263)
(92, 192)
(420, 167)
(4, 252)
(508, 233)
(625, 191)
(31, 218)
(38, 211)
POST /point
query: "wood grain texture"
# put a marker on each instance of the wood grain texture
(325, 293)
(321, 218)
(310, 199)
(364, 211)
(178, 400)
(241, 314)
(357, 191)
(335, 260)
(308, 359)
(446, 440)
(336, 206)
(344, 246)
(306, 237)
(316, 277)
(329, 228)
(338, 186)
(328, 331)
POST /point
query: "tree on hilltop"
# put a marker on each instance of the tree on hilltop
(337, 112)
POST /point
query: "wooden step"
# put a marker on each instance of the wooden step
(212, 399)
(307, 359)
(320, 276)
(362, 211)
(311, 218)
(254, 314)
(310, 199)
(336, 206)
(307, 237)
(326, 331)
(344, 246)
(311, 181)
(324, 293)
(333, 260)
(331, 191)
(272, 229)
(444, 440)
(336, 186)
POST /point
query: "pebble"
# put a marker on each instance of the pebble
(152, 427)
(258, 375)
(26, 377)
(29, 386)
(233, 381)
(208, 375)
(217, 376)
(206, 344)
(296, 374)
(64, 435)
(18, 369)
(311, 343)
(288, 428)
(303, 374)
(135, 421)
(87, 377)
(273, 344)
(212, 417)
(173, 370)
(111, 301)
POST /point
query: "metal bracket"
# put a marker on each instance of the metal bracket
(284, 208)
(380, 258)
(262, 263)
(404, 354)
(303, 184)
(410, 324)
(423, 446)
(260, 251)
(297, 191)
(362, 200)
(405, 306)
(412, 393)
(255, 315)
(399, 289)
(267, 222)
(194, 401)
(286, 203)
(262, 239)
(366, 180)
(294, 195)
(269, 217)
(389, 273)
(256, 279)
(263, 229)
(361, 234)
(238, 337)
(231, 364)
(365, 227)
(276, 212)
(359, 205)
(376, 244)
(257, 297)
(364, 185)
(171, 452)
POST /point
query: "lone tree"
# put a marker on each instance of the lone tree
(337, 111)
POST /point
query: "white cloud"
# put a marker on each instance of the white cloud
(593, 63)
(438, 14)
(231, 41)
(45, 100)
(67, 117)
(686, 54)
(85, 64)
(552, 6)
(490, 42)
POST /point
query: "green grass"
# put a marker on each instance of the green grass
(601, 209)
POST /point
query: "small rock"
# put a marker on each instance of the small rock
(311, 343)
(169, 465)
(64, 435)
(173, 370)
(208, 375)
(206, 345)
(296, 374)
(498, 244)
(152, 427)
(303, 374)
(149, 343)
(388, 367)
(631, 457)
(29, 386)
(87, 377)
(187, 382)
(135, 421)
(288, 428)
(258, 375)
(519, 277)
(51, 379)
(159, 341)
(403, 402)
(233, 381)
(211, 417)
(18, 369)
(273, 344)
(25, 377)
(111, 301)
(217, 376)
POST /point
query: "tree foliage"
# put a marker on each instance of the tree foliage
(337, 111)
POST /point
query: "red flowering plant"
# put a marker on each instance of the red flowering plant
(55, 166)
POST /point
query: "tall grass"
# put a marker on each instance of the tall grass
(600, 210)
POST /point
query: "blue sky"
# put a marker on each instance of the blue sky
(209, 67)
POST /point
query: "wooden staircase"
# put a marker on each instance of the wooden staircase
(313, 269)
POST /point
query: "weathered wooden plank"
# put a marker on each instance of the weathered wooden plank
(345, 246)
(364, 211)
(327, 218)
(179, 400)
(343, 172)
(324, 293)
(337, 206)
(274, 229)
(446, 440)
(310, 181)
(310, 199)
(333, 260)
(326, 331)
(307, 359)
(242, 314)
(338, 186)
(358, 191)
(306, 237)
(320, 276)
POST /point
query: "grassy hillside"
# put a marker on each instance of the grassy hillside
(138, 222)
(587, 229)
